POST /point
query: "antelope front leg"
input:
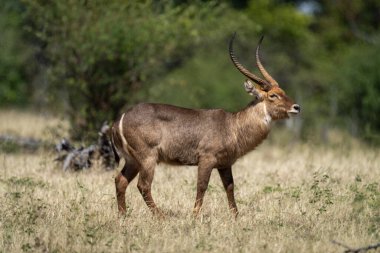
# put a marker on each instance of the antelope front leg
(204, 173)
(228, 183)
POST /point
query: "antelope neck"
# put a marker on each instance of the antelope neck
(252, 126)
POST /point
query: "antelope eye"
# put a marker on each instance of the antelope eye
(273, 95)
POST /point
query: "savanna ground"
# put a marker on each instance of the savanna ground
(291, 197)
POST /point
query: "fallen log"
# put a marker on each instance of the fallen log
(83, 157)
(11, 143)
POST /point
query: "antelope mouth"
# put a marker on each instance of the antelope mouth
(293, 112)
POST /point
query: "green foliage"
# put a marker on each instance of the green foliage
(101, 52)
(209, 79)
(9, 147)
(366, 199)
(359, 90)
(14, 53)
(270, 189)
(341, 23)
(279, 20)
(322, 193)
(94, 58)
(347, 46)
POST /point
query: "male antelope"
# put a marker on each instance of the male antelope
(151, 133)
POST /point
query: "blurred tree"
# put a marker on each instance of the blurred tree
(14, 55)
(100, 52)
(349, 34)
(279, 20)
(94, 57)
(209, 78)
(359, 91)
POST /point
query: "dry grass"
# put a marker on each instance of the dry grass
(26, 124)
(291, 199)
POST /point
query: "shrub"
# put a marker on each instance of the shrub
(99, 53)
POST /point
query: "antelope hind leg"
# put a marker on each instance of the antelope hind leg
(122, 180)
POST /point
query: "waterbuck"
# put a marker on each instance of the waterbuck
(148, 134)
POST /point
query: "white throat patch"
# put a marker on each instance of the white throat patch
(267, 117)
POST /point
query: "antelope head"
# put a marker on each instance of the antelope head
(267, 90)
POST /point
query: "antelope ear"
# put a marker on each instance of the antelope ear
(251, 89)
(249, 86)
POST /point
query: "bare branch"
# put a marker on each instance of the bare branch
(358, 250)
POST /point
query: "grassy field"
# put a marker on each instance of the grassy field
(291, 198)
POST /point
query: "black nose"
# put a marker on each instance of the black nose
(297, 107)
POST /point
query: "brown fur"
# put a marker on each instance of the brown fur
(148, 134)
(214, 138)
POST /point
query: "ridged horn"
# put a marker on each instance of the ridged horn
(261, 67)
(263, 83)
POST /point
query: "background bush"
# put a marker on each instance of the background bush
(90, 60)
